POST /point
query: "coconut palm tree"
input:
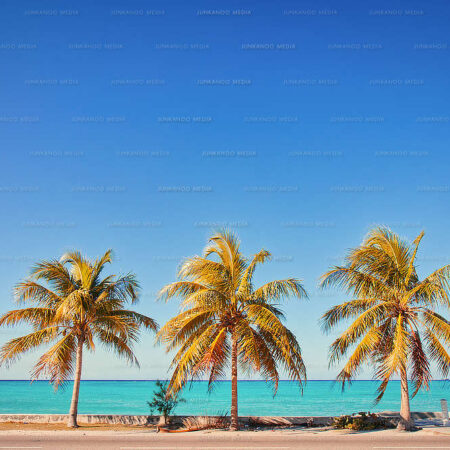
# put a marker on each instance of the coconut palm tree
(395, 325)
(72, 309)
(223, 317)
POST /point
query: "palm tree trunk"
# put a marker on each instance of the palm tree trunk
(234, 393)
(406, 422)
(72, 423)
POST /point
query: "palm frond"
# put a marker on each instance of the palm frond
(13, 349)
(56, 275)
(139, 319)
(38, 317)
(360, 355)
(411, 268)
(279, 289)
(181, 289)
(180, 327)
(246, 287)
(58, 362)
(118, 345)
(30, 291)
(186, 362)
(437, 324)
(372, 317)
(256, 356)
(421, 373)
(438, 353)
(358, 283)
(396, 360)
(345, 311)
(215, 358)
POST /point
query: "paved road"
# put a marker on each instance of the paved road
(247, 441)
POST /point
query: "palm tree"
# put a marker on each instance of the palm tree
(396, 326)
(74, 307)
(222, 316)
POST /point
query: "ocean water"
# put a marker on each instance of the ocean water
(255, 398)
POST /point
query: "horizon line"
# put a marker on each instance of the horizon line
(206, 381)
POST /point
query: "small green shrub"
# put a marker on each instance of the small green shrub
(362, 421)
(164, 404)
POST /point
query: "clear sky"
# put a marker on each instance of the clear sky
(142, 125)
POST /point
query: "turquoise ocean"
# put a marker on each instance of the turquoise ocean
(255, 398)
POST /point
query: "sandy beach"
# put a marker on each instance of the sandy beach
(121, 438)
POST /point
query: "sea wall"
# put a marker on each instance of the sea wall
(153, 420)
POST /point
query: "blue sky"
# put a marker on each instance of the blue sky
(142, 125)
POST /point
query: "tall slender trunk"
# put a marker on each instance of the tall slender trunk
(234, 392)
(406, 423)
(72, 422)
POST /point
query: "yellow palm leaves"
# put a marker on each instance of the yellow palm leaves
(73, 308)
(394, 325)
(223, 317)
